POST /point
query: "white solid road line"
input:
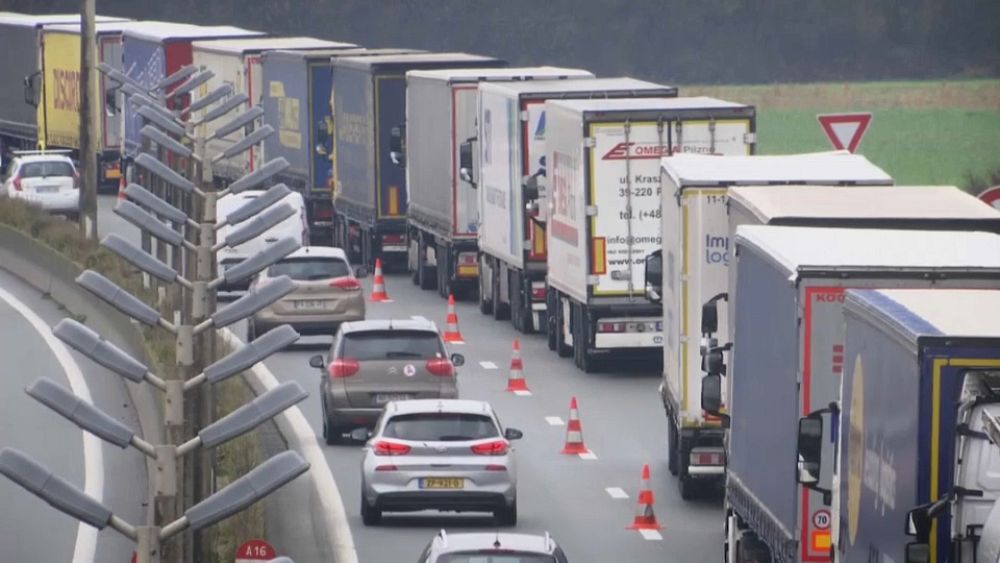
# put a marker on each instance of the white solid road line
(419, 318)
(651, 535)
(554, 421)
(319, 470)
(616, 492)
(488, 365)
(85, 550)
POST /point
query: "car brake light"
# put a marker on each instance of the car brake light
(344, 367)
(441, 366)
(17, 183)
(76, 180)
(391, 448)
(496, 447)
(346, 282)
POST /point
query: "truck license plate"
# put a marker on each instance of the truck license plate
(442, 483)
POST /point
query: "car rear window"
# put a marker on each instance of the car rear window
(487, 557)
(391, 344)
(45, 169)
(311, 268)
(440, 427)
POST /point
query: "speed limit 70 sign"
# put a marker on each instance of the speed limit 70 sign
(255, 550)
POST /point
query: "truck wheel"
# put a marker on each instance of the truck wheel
(426, 280)
(443, 271)
(501, 310)
(749, 549)
(562, 349)
(550, 319)
(581, 358)
(672, 454)
(687, 487)
(485, 303)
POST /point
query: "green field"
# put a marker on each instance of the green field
(921, 132)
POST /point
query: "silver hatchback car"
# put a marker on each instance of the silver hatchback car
(492, 547)
(439, 454)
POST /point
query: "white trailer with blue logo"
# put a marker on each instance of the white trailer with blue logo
(513, 188)
(696, 251)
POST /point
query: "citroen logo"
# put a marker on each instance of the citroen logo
(393, 370)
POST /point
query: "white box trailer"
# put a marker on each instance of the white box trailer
(696, 245)
(237, 62)
(513, 188)
(441, 111)
(604, 216)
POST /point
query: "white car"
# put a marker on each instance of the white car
(46, 179)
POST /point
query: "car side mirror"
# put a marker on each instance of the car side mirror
(918, 553)
(810, 449)
(360, 272)
(397, 145)
(458, 360)
(465, 162)
(654, 276)
(513, 434)
(361, 434)
(317, 361)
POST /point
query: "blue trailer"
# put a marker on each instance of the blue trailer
(918, 467)
(296, 102)
(788, 357)
(369, 102)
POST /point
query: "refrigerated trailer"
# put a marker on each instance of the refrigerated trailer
(369, 107)
(696, 249)
(442, 136)
(604, 212)
(297, 86)
(22, 90)
(918, 426)
(788, 358)
(513, 188)
(237, 62)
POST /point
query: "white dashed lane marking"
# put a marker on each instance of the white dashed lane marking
(554, 421)
(616, 492)
(651, 535)
(589, 456)
(488, 365)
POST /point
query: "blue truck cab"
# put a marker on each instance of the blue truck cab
(917, 427)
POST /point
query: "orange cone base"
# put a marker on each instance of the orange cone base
(453, 337)
(379, 297)
(517, 384)
(645, 523)
(573, 449)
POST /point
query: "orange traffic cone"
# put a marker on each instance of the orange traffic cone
(378, 287)
(515, 381)
(574, 432)
(645, 518)
(121, 188)
(452, 334)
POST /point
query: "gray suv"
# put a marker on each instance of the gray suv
(373, 362)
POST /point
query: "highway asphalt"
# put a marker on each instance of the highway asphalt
(30, 530)
(586, 504)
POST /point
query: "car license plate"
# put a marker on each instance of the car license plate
(442, 483)
(309, 304)
(47, 189)
(383, 398)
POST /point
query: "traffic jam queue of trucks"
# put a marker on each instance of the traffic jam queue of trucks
(795, 250)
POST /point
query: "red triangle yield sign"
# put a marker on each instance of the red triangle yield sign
(845, 130)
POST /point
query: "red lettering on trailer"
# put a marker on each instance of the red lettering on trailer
(66, 90)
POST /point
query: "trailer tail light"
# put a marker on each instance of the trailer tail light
(441, 367)
(468, 265)
(344, 367)
(496, 447)
(538, 291)
(348, 283)
(383, 447)
(323, 212)
(610, 327)
(393, 239)
(706, 458)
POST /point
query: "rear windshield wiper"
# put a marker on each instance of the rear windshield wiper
(396, 354)
(454, 438)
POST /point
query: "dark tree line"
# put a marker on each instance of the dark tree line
(679, 41)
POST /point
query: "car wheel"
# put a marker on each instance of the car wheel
(369, 514)
(506, 516)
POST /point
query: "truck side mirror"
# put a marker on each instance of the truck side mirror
(918, 521)
(918, 553)
(530, 186)
(32, 88)
(810, 449)
(654, 276)
(465, 162)
(397, 145)
(711, 393)
(709, 317)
